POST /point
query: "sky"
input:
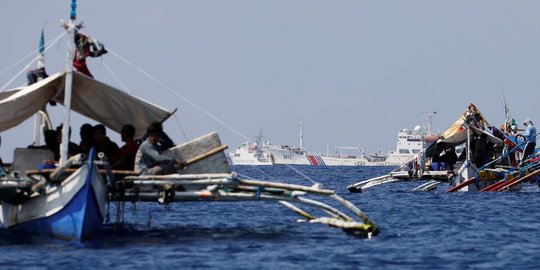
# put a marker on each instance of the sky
(354, 72)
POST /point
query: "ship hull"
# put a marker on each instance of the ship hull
(72, 210)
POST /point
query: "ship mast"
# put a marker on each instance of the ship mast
(428, 118)
(301, 135)
(69, 82)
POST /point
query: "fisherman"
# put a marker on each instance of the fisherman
(87, 140)
(165, 142)
(450, 156)
(152, 161)
(33, 75)
(480, 151)
(124, 159)
(73, 148)
(102, 143)
(85, 46)
(512, 131)
(530, 138)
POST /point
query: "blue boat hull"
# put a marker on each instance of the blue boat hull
(72, 210)
(78, 220)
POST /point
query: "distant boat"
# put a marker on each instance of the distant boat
(409, 143)
(500, 170)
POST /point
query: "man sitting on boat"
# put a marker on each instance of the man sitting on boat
(73, 148)
(152, 162)
(87, 138)
(33, 75)
(124, 159)
(102, 143)
(165, 142)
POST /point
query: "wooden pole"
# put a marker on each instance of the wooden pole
(181, 176)
(465, 183)
(286, 186)
(207, 154)
(513, 183)
(297, 210)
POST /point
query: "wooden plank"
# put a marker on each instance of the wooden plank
(215, 163)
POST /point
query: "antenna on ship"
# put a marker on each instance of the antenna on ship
(69, 82)
(428, 118)
(258, 138)
(301, 134)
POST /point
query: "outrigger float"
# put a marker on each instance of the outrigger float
(501, 173)
(70, 201)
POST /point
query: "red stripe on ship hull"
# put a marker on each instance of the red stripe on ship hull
(313, 160)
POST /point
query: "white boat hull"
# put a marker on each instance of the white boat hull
(70, 210)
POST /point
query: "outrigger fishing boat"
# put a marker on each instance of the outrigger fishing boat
(69, 199)
(500, 173)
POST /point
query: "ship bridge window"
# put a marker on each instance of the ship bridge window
(404, 151)
(416, 151)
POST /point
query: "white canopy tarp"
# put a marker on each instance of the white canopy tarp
(93, 99)
(461, 136)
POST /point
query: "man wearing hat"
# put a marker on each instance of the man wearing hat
(152, 162)
(530, 138)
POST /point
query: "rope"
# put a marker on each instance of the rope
(114, 76)
(127, 90)
(181, 128)
(28, 65)
(25, 57)
(300, 173)
(258, 169)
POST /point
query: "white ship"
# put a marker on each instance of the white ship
(409, 143)
(251, 154)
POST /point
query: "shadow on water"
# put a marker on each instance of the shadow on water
(129, 236)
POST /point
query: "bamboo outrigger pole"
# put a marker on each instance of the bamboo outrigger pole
(69, 83)
(207, 154)
(227, 187)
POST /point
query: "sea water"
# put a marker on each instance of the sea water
(419, 230)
